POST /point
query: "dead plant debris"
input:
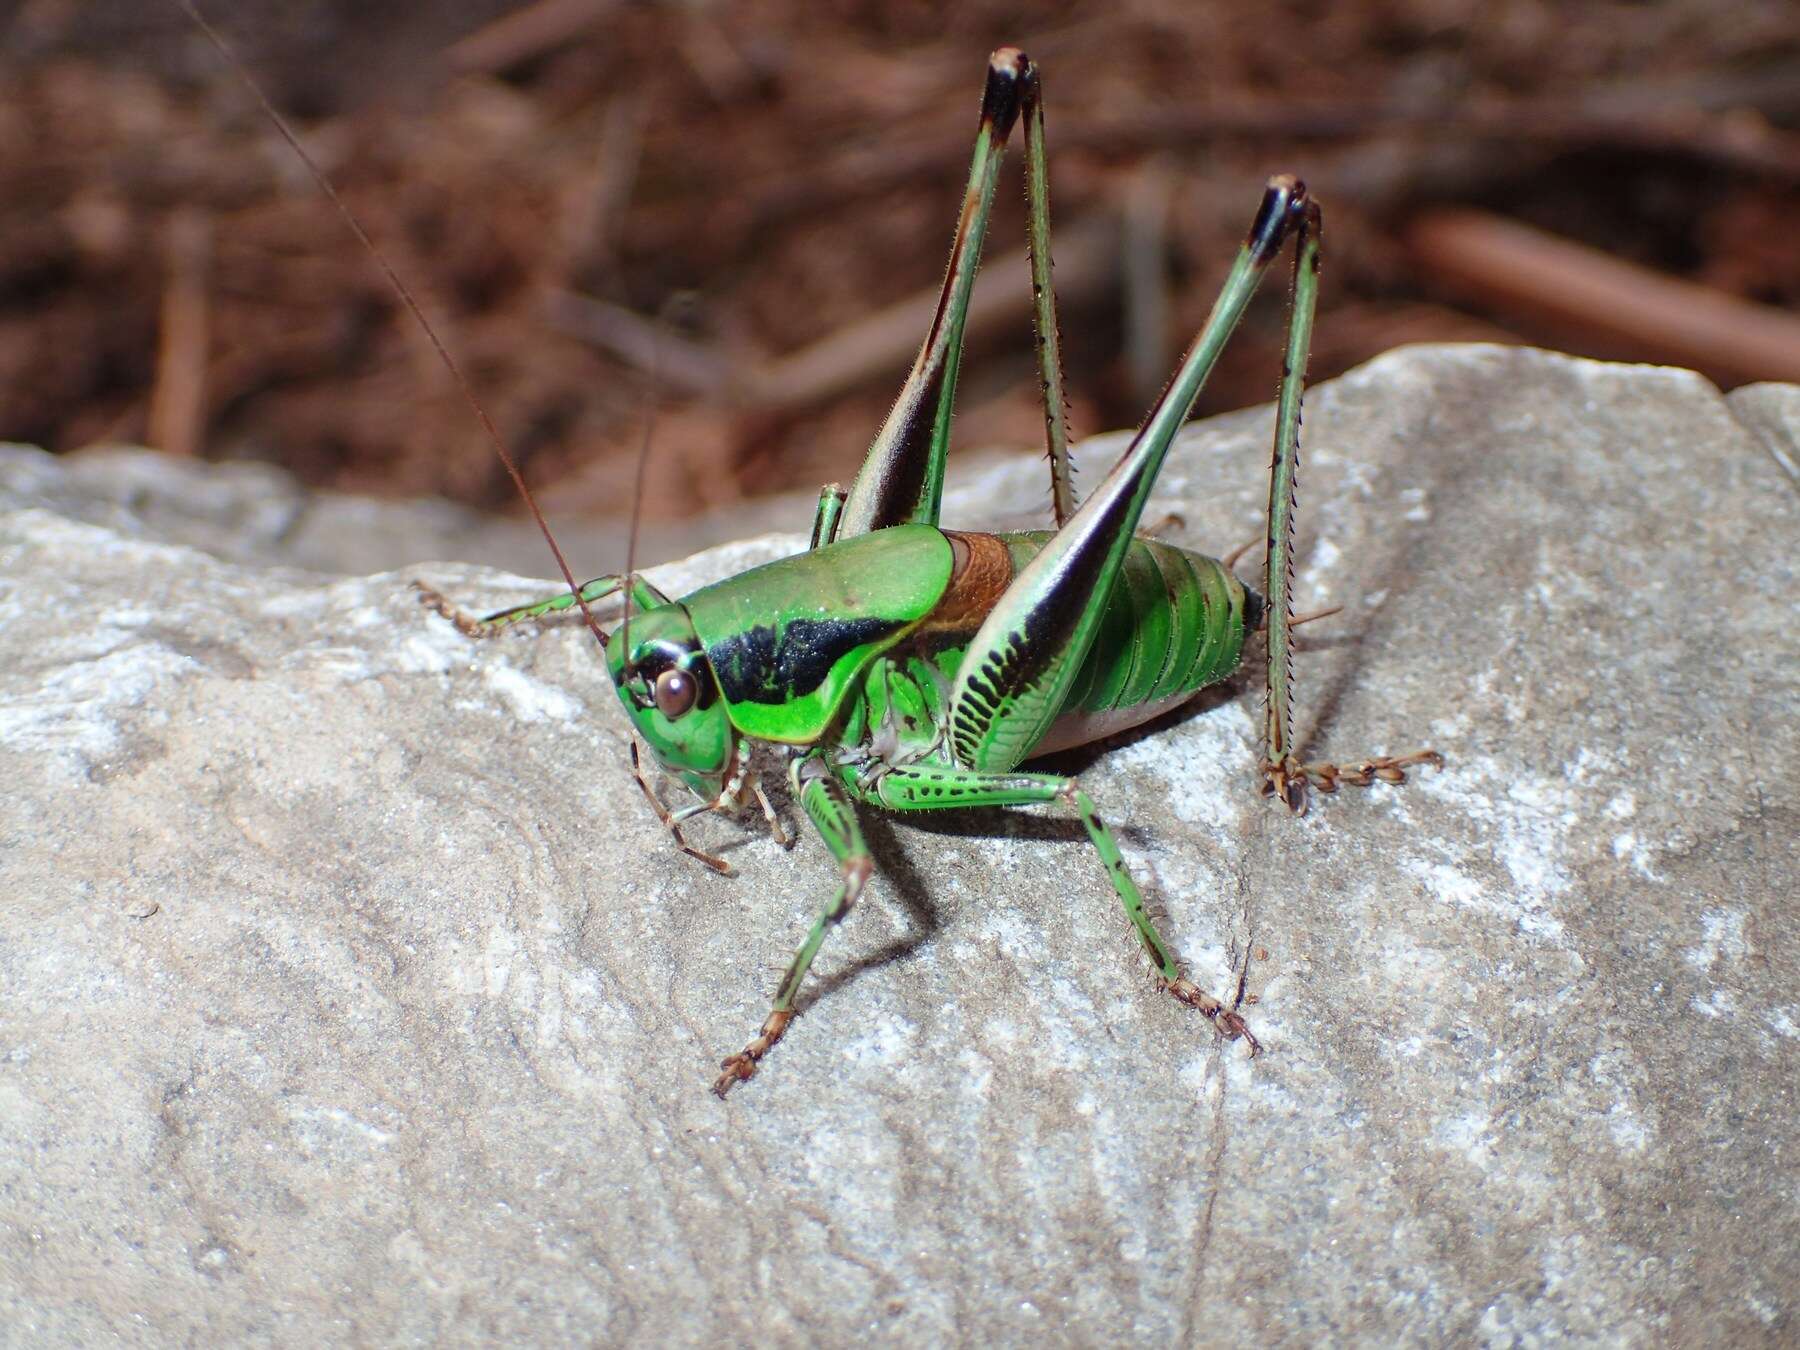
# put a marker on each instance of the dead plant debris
(767, 185)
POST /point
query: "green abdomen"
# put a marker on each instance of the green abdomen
(1175, 622)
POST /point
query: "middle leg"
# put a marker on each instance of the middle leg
(921, 787)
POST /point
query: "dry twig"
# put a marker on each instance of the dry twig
(1522, 269)
(877, 345)
(178, 397)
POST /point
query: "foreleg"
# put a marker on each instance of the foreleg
(643, 596)
(829, 808)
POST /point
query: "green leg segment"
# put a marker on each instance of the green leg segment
(829, 808)
(935, 788)
(902, 477)
(1043, 293)
(825, 518)
(1285, 776)
(643, 596)
(1284, 463)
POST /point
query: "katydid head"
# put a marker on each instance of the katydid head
(660, 669)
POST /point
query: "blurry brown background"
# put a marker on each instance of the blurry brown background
(772, 177)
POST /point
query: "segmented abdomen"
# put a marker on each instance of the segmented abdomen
(1175, 622)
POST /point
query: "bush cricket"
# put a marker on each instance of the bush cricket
(902, 665)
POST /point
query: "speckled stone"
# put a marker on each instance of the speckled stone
(351, 992)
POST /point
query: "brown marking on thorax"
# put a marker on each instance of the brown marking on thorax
(980, 571)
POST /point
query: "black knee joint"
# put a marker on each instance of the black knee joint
(1008, 69)
(1285, 206)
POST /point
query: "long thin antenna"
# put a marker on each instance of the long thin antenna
(400, 289)
(651, 391)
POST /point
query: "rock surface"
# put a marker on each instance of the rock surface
(351, 992)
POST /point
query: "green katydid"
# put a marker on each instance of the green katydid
(914, 668)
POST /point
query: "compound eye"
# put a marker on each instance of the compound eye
(675, 692)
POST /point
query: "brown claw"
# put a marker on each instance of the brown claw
(737, 1069)
(741, 1067)
(1230, 1025)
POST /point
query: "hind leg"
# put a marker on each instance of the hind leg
(1284, 775)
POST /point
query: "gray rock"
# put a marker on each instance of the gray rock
(353, 993)
(1772, 412)
(256, 514)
